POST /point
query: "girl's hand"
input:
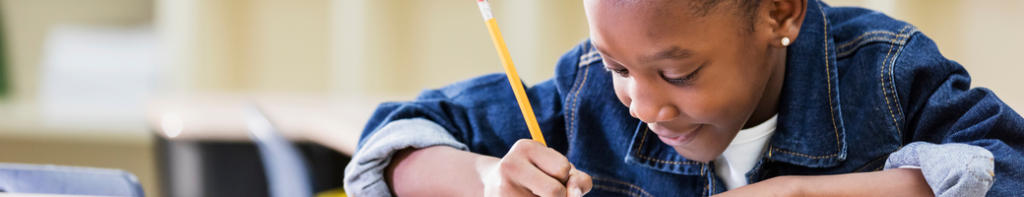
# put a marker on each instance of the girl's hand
(531, 169)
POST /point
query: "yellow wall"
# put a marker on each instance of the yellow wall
(246, 45)
(403, 46)
(356, 47)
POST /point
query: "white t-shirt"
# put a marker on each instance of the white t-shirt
(743, 153)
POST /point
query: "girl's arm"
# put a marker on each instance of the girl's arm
(894, 182)
(529, 169)
(423, 172)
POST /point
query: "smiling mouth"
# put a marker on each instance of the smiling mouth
(678, 139)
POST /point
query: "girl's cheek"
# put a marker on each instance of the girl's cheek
(621, 92)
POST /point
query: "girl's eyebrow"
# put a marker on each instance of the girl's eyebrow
(603, 54)
(673, 52)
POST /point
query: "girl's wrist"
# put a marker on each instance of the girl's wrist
(794, 186)
(486, 168)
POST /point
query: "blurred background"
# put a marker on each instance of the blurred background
(95, 83)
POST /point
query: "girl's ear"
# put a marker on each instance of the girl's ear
(785, 17)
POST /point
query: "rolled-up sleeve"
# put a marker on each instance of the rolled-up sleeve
(364, 175)
(952, 169)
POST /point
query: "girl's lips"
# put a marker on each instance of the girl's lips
(680, 140)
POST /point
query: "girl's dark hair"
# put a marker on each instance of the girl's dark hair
(748, 8)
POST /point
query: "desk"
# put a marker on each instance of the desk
(204, 148)
(41, 195)
(332, 122)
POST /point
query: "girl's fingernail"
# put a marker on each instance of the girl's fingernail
(577, 192)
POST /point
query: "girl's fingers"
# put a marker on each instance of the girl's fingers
(554, 164)
(548, 160)
(514, 189)
(579, 183)
(538, 182)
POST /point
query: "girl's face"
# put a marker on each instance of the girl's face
(695, 80)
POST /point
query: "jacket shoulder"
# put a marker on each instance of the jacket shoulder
(854, 29)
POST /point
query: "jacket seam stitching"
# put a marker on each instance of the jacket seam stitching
(803, 155)
(586, 72)
(859, 42)
(866, 34)
(967, 168)
(828, 74)
(624, 183)
(703, 168)
(707, 188)
(885, 93)
(891, 40)
(892, 81)
(712, 180)
(575, 99)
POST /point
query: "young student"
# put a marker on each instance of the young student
(707, 97)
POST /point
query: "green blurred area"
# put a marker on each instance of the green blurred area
(3, 59)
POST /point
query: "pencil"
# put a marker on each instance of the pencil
(510, 72)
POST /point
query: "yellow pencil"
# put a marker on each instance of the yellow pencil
(510, 72)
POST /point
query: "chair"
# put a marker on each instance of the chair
(68, 180)
(287, 175)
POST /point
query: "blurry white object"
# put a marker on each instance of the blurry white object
(171, 124)
(283, 164)
(97, 77)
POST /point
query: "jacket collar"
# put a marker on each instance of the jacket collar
(810, 126)
(810, 129)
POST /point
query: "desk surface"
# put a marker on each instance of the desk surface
(333, 122)
(41, 195)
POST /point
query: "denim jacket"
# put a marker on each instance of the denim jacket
(859, 87)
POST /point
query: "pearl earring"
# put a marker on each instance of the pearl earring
(785, 41)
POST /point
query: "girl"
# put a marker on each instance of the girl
(706, 97)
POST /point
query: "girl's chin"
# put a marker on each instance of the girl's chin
(697, 156)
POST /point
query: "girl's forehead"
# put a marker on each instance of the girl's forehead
(620, 30)
(618, 26)
(655, 8)
(653, 16)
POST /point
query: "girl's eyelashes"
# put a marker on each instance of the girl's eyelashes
(683, 80)
(674, 81)
(620, 72)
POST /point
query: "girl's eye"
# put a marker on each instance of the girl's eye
(683, 80)
(620, 72)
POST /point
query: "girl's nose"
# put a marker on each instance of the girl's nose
(651, 113)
